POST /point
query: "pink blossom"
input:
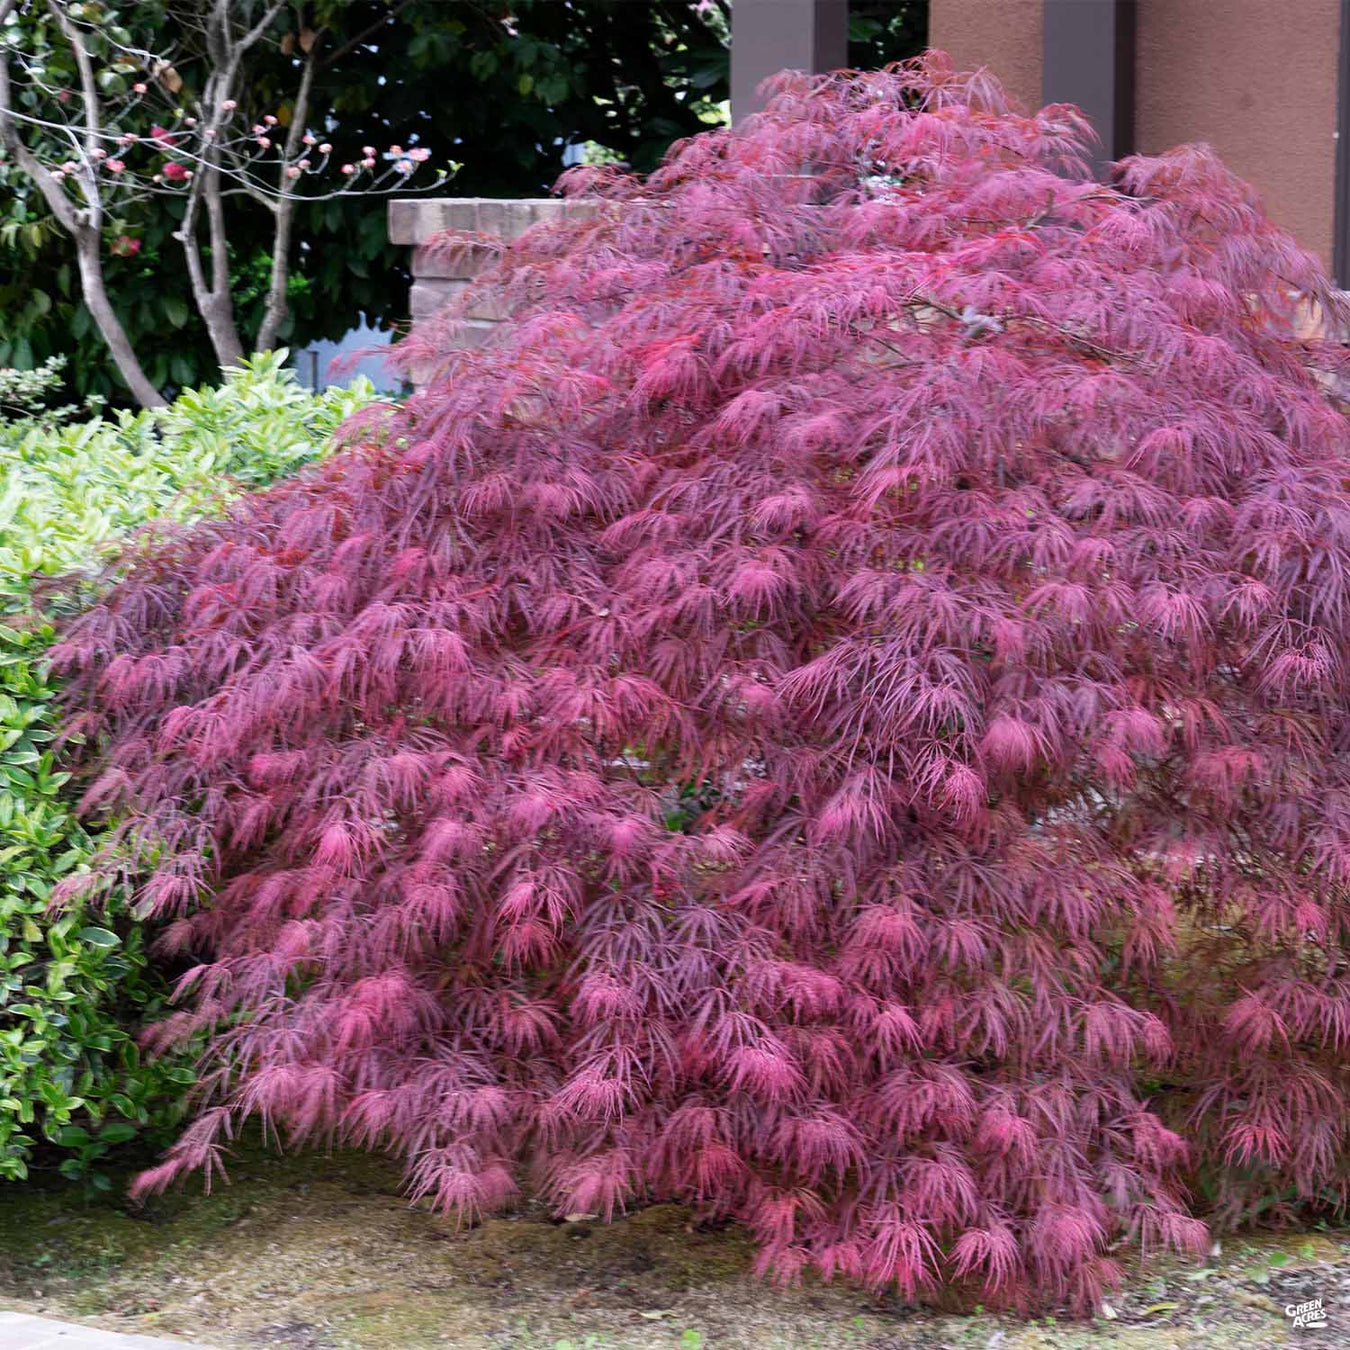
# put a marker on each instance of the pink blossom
(229, 105)
(421, 154)
(99, 152)
(347, 168)
(368, 151)
(404, 166)
(292, 171)
(174, 172)
(264, 142)
(367, 163)
(325, 149)
(308, 138)
(270, 120)
(138, 88)
(115, 166)
(303, 164)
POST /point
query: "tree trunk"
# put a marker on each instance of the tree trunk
(278, 300)
(278, 303)
(109, 325)
(214, 302)
(217, 309)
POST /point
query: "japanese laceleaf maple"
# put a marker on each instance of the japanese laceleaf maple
(836, 716)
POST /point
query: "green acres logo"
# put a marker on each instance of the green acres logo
(1309, 1314)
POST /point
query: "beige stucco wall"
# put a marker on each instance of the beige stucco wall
(1256, 79)
(1005, 35)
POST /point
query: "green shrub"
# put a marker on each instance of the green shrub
(73, 987)
(29, 394)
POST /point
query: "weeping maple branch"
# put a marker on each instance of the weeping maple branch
(753, 733)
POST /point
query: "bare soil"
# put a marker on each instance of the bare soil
(323, 1253)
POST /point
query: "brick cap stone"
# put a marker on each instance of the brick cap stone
(413, 220)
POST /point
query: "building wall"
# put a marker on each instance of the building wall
(1005, 35)
(1256, 79)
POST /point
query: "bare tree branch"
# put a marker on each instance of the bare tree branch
(87, 81)
(260, 27)
(240, 170)
(214, 301)
(276, 309)
(60, 204)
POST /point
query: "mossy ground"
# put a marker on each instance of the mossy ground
(316, 1253)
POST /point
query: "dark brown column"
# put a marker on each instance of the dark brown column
(1089, 60)
(772, 35)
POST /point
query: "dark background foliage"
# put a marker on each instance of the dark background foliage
(502, 88)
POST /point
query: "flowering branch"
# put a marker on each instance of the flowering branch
(118, 130)
(82, 222)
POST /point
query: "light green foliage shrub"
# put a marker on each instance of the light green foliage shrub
(71, 985)
(30, 395)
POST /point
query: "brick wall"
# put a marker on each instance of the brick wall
(438, 279)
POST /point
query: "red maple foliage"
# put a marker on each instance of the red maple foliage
(837, 716)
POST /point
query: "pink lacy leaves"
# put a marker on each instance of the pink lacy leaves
(836, 716)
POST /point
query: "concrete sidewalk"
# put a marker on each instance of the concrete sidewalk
(19, 1331)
